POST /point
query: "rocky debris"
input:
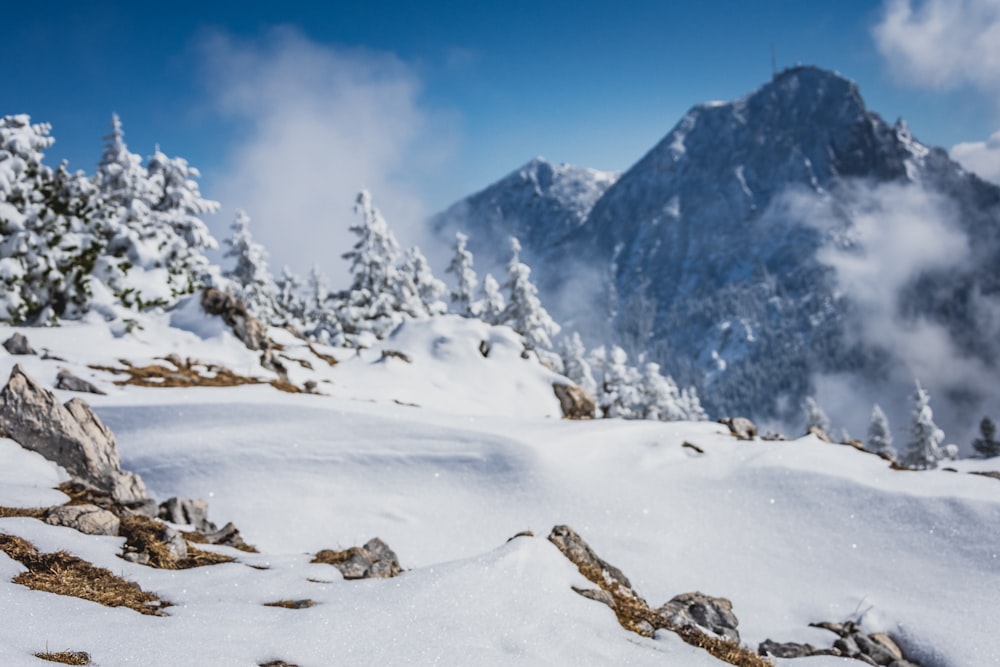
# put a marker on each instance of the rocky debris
(18, 344)
(187, 512)
(234, 313)
(523, 533)
(484, 348)
(66, 380)
(270, 360)
(876, 648)
(740, 427)
(700, 620)
(70, 435)
(292, 604)
(228, 536)
(277, 663)
(375, 560)
(995, 474)
(152, 542)
(693, 447)
(707, 613)
(575, 402)
(89, 519)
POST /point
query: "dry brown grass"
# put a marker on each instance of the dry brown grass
(328, 358)
(64, 574)
(30, 512)
(331, 557)
(292, 604)
(66, 657)
(143, 535)
(187, 373)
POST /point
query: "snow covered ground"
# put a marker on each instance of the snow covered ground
(447, 456)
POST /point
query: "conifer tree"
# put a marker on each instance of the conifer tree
(659, 396)
(524, 312)
(879, 435)
(464, 294)
(924, 447)
(250, 276)
(575, 364)
(617, 389)
(419, 292)
(289, 304)
(691, 407)
(815, 416)
(492, 305)
(987, 444)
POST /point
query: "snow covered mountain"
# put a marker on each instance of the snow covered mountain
(768, 248)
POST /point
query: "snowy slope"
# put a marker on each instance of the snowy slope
(791, 532)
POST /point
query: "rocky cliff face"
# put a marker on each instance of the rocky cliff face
(727, 251)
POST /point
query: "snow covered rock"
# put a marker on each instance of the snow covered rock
(187, 512)
(70, 435)
(708, 613)
(375, 560)
(741, 427)
(69, 382)
(89, 519)
(234, 313)
(18, 344)
(575, 402)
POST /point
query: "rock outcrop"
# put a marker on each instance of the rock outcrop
(375, 560)
(876, 648)
(18, 344)
(707, 613)
(740, 427)
(575, 402)
(89, 519)
(67, 381)
(234, 313)
(70, 435)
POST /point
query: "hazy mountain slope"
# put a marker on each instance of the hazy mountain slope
(768, 244)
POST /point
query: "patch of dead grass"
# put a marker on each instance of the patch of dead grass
(29, 512)
(328, 358)
(144, 535)
(64, 574)
(66, 657)
(179, 373)
(292, 604)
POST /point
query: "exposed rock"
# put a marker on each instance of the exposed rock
(695, 448)
(740, 427)
(708, 613)
(819, 433)
(152, 542)
(569, 542)
(375, 560)
(18, 344)
(523, 533)
(228, 536)
(89, 519)
(66, 380)
(234, 312)
(484, 348)
(575, 402)
(877, 648)
(188, 512)
(70, 435)
(786, 649)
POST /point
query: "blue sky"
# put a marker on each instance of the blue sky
(427, 102)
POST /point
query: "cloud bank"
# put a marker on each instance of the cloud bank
(947, 45)
(890, 235)
(318, 124)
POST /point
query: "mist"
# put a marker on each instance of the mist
(316, 125)
(890, 236)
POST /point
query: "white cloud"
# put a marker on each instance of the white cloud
(980, 157)
(319, 123)
(942, 44)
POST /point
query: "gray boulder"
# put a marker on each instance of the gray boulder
(234, 313)
(705, 612)
(89, 519)
(188, 512)
(785, 649)
(375, 560)
(575, 402)
(69, 382)
(740, 427)
(576, 549)
(70, 435)
(18, 344)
